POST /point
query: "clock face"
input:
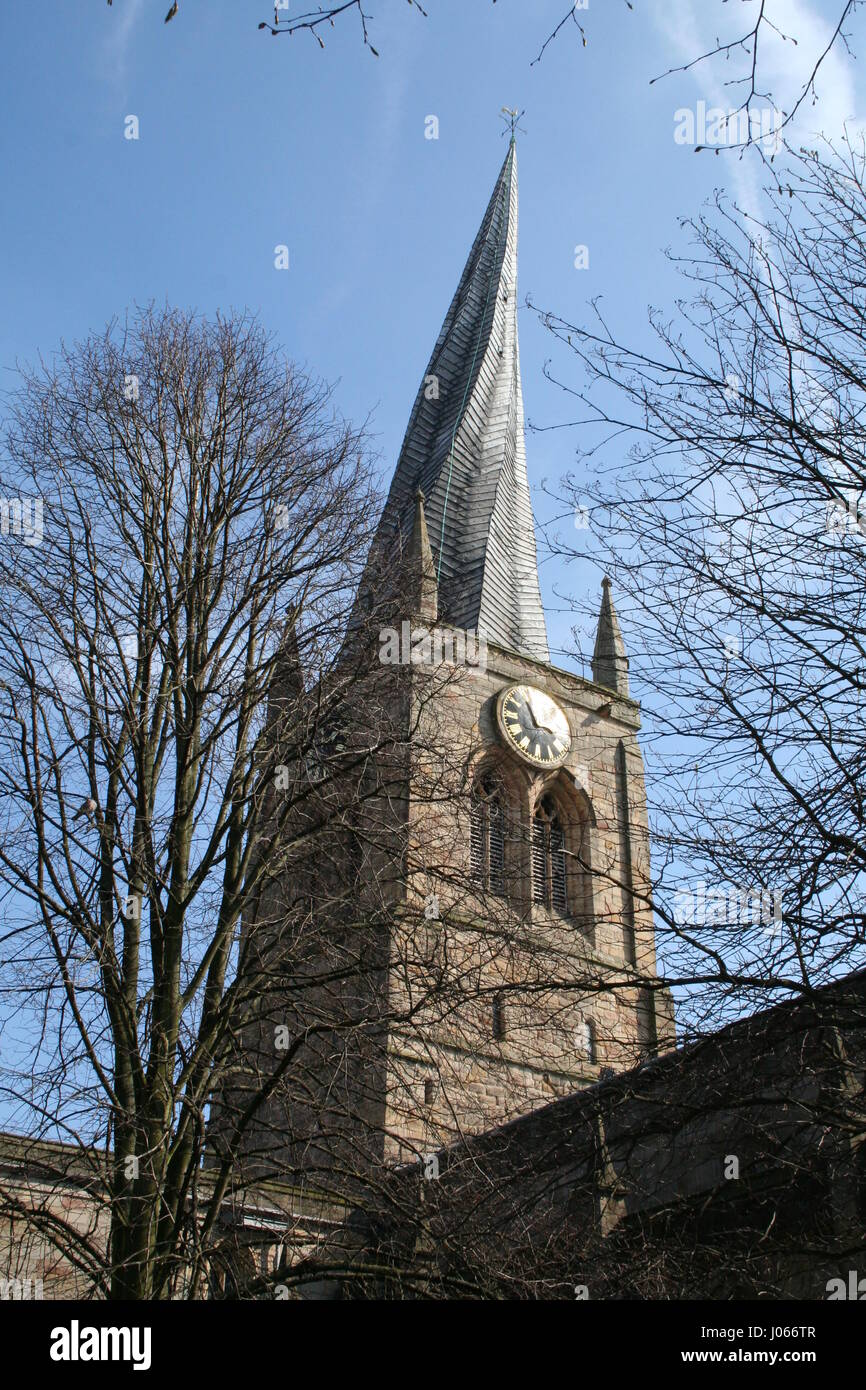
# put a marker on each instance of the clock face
(533, 725)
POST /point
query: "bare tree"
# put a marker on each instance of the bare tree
(723, 480)
(191, 491)
(746, 46)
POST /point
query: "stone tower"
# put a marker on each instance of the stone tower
(517, 962)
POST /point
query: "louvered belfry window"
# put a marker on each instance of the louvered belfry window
(548, 858)
(487, 836)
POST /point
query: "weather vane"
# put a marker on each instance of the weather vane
(510, 115)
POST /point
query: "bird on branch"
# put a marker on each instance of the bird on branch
(87, 808)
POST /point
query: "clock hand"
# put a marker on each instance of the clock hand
(538, 724)
(535, 719)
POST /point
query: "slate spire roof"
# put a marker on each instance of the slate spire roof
(465, 449)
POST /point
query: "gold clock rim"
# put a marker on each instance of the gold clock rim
(530, 758)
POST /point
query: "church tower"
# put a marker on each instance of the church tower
(552, 912)
(516, 961)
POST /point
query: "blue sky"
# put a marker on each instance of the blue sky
(247, 142)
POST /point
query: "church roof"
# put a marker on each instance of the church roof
(465, 448)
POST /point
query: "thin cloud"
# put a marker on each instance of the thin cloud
(691, 27)
(118, 43)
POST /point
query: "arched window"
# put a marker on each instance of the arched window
(548, 858)
(586, 1040)
(487, 836)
